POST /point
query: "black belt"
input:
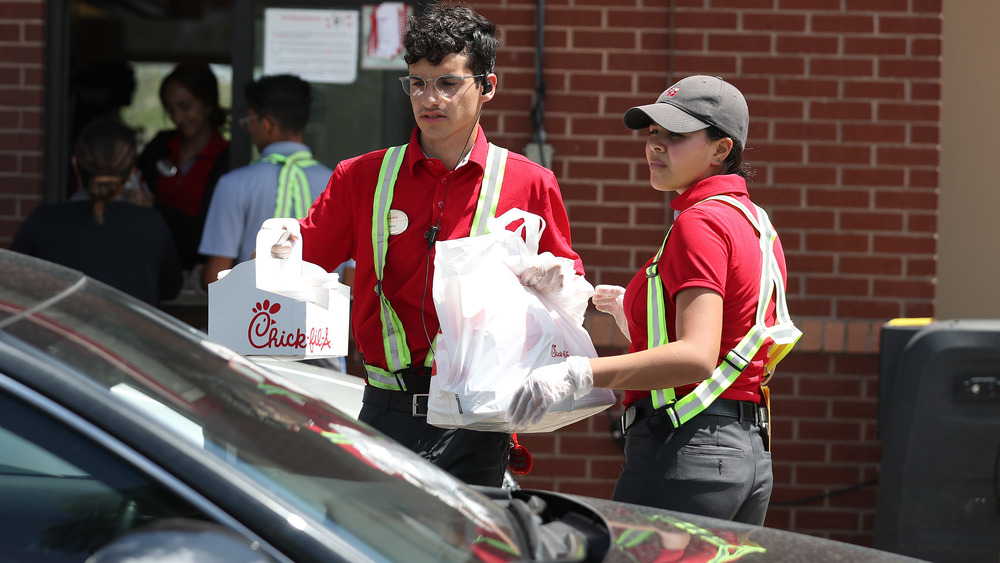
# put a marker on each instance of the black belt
(413, 403)
(740, 410)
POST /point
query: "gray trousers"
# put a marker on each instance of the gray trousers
(712, 466)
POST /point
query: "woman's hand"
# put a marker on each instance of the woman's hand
(611, 299)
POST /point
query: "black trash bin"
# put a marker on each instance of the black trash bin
(939, 422)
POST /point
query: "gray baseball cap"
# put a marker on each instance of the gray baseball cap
(693, 104)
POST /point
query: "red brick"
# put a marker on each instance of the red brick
(810, 263)
(776, 66)
(871, 221)
(604, 39)
(810, 175)
(874, 46)
(839, 154)
(907, 156)
(877, 6)
(904, 289)
(13, 10)
(910, 68)
(874, 89)
(876, 265)
(807, 44)
(828, 430)
(852, 24)
(743, 43)
(873, 177)
(867, 309)
(805, 219)
(775, 21)
(837, 286)
(910, 25)
(873, 133)
(909, 112)
(838, 198)
(649, 17)
(836, 242)
(840, 110)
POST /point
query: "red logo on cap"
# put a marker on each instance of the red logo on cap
(671, 92)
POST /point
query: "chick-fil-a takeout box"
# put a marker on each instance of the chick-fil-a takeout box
(283, 308)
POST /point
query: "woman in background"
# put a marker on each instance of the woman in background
(124, 245)
(181, 166)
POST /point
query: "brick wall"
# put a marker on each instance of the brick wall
(844, 97)
(22, 58)
(844, 100)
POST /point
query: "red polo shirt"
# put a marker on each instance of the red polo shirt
(339, 227)
(713, 246)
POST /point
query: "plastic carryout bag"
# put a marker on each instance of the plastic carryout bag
(494, 330)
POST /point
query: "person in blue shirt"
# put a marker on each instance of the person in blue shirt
(283, 182)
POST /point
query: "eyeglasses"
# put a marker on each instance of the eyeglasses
(246, 121)
(446, 85)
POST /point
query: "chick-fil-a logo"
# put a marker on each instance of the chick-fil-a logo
(557, 354)
(263, 331)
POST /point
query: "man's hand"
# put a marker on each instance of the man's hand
(544, 272)
(284, 240)
(547, 386)
(611, 299)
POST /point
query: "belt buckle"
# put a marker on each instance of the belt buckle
(420, 404)
(628, 418)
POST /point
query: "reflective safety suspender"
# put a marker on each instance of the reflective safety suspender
(397, 353)
(782, 334)
(294, 197)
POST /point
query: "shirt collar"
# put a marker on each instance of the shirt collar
(727, 184)
(477, 155)
(283, 148)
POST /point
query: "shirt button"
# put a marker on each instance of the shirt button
(440, 205)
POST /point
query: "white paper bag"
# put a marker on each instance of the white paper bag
(494, 330)
(288, 309)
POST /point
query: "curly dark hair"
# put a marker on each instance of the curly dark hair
(442, 29)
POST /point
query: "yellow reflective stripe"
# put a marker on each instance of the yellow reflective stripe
(294, 197)
(489, 192)
(397, 353)
(783, 334)
(383, 379)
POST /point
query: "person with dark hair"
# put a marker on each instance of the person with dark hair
(386, 209)
(283, 182)
(706, 317)
(182, 166)
(119, 243)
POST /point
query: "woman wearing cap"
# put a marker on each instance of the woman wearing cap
(694, 423)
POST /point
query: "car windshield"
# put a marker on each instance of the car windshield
(322, 464)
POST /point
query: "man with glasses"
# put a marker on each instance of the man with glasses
(386, 209)
(283, 182)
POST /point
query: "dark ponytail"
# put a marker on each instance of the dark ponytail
(105, 156)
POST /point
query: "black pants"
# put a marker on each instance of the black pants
(478, 458)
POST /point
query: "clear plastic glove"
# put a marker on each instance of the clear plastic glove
(611, 299)
(282, 247)
(544, 272)
(547, 386)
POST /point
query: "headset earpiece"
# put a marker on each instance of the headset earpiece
(487, 88)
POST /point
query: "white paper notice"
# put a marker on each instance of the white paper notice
(316, 45)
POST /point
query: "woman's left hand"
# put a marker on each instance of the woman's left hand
(547, 386)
